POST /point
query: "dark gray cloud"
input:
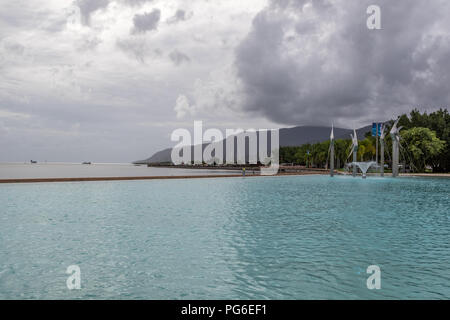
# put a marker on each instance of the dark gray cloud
(13, 47)
(180, 15)
(136, 2)
(88, 43)
(146, 22)
(309, 62)
(85, 93)
(138, 48)
(178, 57)
(87, 7)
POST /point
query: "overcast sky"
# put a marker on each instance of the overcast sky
(108, 80)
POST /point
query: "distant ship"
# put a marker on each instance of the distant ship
(33, 161)
(87, 162)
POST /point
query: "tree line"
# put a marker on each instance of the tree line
(424, 145)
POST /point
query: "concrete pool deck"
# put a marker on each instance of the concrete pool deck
(248, 175)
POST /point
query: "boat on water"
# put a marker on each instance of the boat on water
(87, 162)
(33, 161)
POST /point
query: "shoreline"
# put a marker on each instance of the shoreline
(89, 179)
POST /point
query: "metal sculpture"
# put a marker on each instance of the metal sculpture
(395, 135)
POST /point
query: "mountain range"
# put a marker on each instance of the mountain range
(295, 136)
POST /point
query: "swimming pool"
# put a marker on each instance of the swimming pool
(292, 237)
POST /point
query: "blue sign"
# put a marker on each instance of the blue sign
(374, 129)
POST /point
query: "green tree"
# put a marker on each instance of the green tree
(342, 149)
(439, 122)
(419, 146)
(422, 146)
(366, 149)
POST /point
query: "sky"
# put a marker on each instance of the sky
(109, 80)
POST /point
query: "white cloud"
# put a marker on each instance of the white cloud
(182, 107)
(75, 65)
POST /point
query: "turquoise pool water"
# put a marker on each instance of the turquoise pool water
(297, 237)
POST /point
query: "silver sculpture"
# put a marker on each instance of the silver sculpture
(395, 135)
(332, 152)
(382, 151)
(354, 150)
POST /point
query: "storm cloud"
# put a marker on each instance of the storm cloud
(87, 7)
(147, 21)
(312, 62)
(178, 57)
(107, 81)
(136, 2)
(180, 15)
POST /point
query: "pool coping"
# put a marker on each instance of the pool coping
(302, 173)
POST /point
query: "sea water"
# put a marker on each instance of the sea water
(295, 237)
(78, 170)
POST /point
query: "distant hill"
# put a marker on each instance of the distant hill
(298, 136)
(295, 136)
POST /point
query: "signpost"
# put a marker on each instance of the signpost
(382, 152)
(332, 152)
(376, 132)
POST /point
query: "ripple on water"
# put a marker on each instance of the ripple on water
(267, 238)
